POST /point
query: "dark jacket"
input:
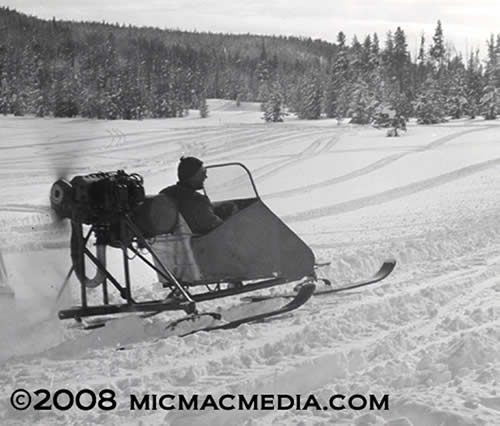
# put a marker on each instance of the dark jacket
(194, 207)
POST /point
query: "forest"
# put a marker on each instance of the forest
(111, 71)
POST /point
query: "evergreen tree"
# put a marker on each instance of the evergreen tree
(309, 98)
(203, 107)
(65, 98)
(335, 96)
(374, 57)
(356, 56)
(457, 103)
(429, 105)
(401, 60)
(437, 50)
(388, 55)
(456, 95)
(273, 108)
(489, 104)
(362, 105)
(496, 71)
(493, 62)
(5, 95)
(474, 84)
(421, 66)
(263, 76)
(366, 57)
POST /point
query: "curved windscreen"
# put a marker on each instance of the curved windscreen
(230, 181)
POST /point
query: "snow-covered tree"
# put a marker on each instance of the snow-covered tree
(203, 107)
(400, 60)
(337, 84)
(457, 103)
(489, 105)
(273, 107)
(429, 105)
(309, 98)
(437, 50)
(362, 103)
(263, 76)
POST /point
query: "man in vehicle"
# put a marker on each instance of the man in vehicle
(197, 209)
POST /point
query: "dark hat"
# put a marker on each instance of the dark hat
(187, 168)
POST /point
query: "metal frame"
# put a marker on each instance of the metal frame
(186, 303)
(126, 227)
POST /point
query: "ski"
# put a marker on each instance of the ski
(384, 271)
(300, 298)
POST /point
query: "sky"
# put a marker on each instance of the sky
(467, 24)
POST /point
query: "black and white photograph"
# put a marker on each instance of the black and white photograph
(250, 213)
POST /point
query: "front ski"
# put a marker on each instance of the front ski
(384, 271)
(301, 297)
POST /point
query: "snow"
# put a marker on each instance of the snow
(429, 336)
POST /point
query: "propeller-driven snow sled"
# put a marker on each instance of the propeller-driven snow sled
(252, 250)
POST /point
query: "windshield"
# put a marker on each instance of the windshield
(230, 181)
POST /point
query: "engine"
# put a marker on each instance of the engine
(103, 199)
(115, 205)
(97, 198)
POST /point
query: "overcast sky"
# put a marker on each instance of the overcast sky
(466, 23)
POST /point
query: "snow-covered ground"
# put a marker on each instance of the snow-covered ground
(429, 337)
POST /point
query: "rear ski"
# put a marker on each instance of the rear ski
(300, 298)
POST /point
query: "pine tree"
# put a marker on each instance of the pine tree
(65, 98)
(429, 105)
(335, 96)
(474, 84)
(363, 104)
(456, 97)
(437, 50)
(273, 108)
(310, 97)
(421, 69)
(489, 105)
(203, 107)
(388, 55)
(401, 60)
(367, 55)
(263, 76)
(374, 57)
(493, 62)
(496, 71)
(356, 57)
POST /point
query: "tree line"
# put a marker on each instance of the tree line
(112, 71)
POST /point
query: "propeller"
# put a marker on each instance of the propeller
(61, 194)
(61, 167)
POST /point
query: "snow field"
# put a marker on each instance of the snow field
(429, 336)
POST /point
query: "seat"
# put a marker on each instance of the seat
(175, 252)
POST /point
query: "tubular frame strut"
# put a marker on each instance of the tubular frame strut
(127, 228)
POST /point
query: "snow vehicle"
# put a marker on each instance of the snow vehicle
(252, 250)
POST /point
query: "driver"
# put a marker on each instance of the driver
(196, 208)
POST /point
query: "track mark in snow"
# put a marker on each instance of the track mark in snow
(391, 194)
(339, 179)
(369, 168)
(317, 147)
